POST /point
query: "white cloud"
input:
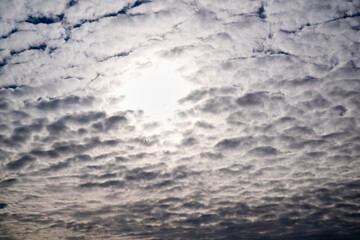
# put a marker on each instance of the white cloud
(265, 138)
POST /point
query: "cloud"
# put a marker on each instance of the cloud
(85, 117)
(211, 155)
(109, 123)
(8, 182)
(56, 128)
(22, 134)
(45, 20)
(106, 184)
(20, 163)
(264, 144)
(205, 125)
(233, 143)
(264, 151)
(194, 96)
(55, 104)
(251, 99)
(188, 141)
(138, 174)
(217, 104)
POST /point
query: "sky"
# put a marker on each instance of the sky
(179, 119)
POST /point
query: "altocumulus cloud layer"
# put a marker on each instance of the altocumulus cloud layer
(266, 144)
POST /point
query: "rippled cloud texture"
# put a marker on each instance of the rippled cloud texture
(266, 144)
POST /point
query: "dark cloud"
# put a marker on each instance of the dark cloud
(217, 104)
(122, 11)
(193, 205)
(204, 125)
(228, 143)
(20, 163)
(316, 154)
(109, 123)
(341, 109)
(243, 118)
(211, 155)
(261, 12)
(263, 144)
(109, 183)
(45, 20)
(162, 184)
(252, 99)
(140, 155)
(189, 141)
(71, 3)
(57, 128)
(121, 159)
(44, 154)
(54, 104)
(108, 175)
(75, 238)
(307, 143)
(317, 102)
(3, 104)
(85, 117)
(139, 174)
(75, 148)
(57, 166)
(299, 131)
(264, 151)
(8, 182)
(4, 154)
(235, 118)
(41, 47)
(233, 143)
(22, 134)
(303, 82)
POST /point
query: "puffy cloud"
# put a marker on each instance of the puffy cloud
(264, 143)
(20, 163)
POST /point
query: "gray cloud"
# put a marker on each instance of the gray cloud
(8, 182)
(263, 145)
(217, 104)
(55, 104)
(109, 123)
(264, 151)
(110, 183)
(20, 163)
(251, 99)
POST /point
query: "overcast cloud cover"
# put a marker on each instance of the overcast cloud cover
(266, 144)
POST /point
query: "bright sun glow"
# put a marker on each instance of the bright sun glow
(156, 91)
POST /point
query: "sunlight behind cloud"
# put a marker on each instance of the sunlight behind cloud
(141, 119)
(156, 91)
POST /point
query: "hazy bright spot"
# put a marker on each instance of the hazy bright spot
(156, 91)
